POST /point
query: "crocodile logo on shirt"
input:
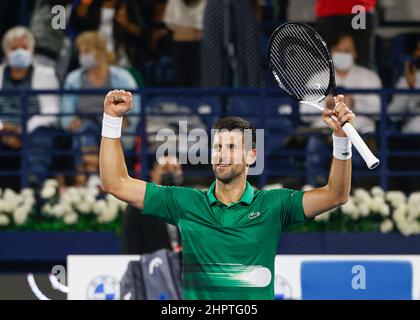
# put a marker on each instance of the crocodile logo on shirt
(254, 215)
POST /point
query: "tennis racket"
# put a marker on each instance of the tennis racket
(302, 66)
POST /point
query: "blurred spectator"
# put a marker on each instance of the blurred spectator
(405, 105)
(120, 22)
(350, 76)
(335, 17)
(49, 41)
(20, 72)
(143, 234)
(95, 72)
(160, 64)
(230, 45)
(397, 10)
(185, 19)
(280, 10)
(402, 103)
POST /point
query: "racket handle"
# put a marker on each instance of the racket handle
(371, 161)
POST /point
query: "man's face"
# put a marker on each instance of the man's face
(230, 155)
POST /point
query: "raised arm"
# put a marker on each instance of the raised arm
(336, 192)
(113, 170)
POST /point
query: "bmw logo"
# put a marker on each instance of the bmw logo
(104, 288)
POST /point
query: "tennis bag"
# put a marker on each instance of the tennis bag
(156, 276)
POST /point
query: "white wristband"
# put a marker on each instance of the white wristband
(341, 148)
(111, 127)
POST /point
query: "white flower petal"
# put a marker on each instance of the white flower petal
(386, 226)
(4, 220)
(71, 218)
(48, 191)
(20, 215)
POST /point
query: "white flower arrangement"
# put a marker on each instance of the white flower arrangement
(66, 205)
(393, 209)
(389, 210)
(16, 207)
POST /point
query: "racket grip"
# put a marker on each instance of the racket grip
(371, 161)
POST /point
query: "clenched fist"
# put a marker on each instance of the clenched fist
(117, 103)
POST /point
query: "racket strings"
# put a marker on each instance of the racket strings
(303, 55)
(295, 82)
(300, 63)
(305, 79)
(296, 79)
(315, 69)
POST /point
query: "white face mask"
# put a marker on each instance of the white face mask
(343, 61)
(87, 61)
(20, 58)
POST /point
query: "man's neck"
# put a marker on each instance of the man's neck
(18, 74)
(342, 74)
(231, 192)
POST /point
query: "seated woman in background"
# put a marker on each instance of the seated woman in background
(95, 72)
(124, 27)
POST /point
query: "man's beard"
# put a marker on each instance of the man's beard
(228, 177)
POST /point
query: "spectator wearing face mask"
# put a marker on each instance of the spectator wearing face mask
(20, 72)
(345, 16)
(144, 234)
(123, 25)
(94, 72)
(348, 75)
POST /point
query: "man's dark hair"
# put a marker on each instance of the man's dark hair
(232, 123)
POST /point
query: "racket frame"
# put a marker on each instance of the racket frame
(370, 159)
(331, 89)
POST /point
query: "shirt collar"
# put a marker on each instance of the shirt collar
(246, 198)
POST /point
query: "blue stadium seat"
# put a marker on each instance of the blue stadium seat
(266, 109)
(209, 108)
(276, 115)
(165, 72)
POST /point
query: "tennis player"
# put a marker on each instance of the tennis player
(229, 233)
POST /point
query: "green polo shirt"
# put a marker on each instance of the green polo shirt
(228, 250)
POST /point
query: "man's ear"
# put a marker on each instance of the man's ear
(251, 157)
(155, 173)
